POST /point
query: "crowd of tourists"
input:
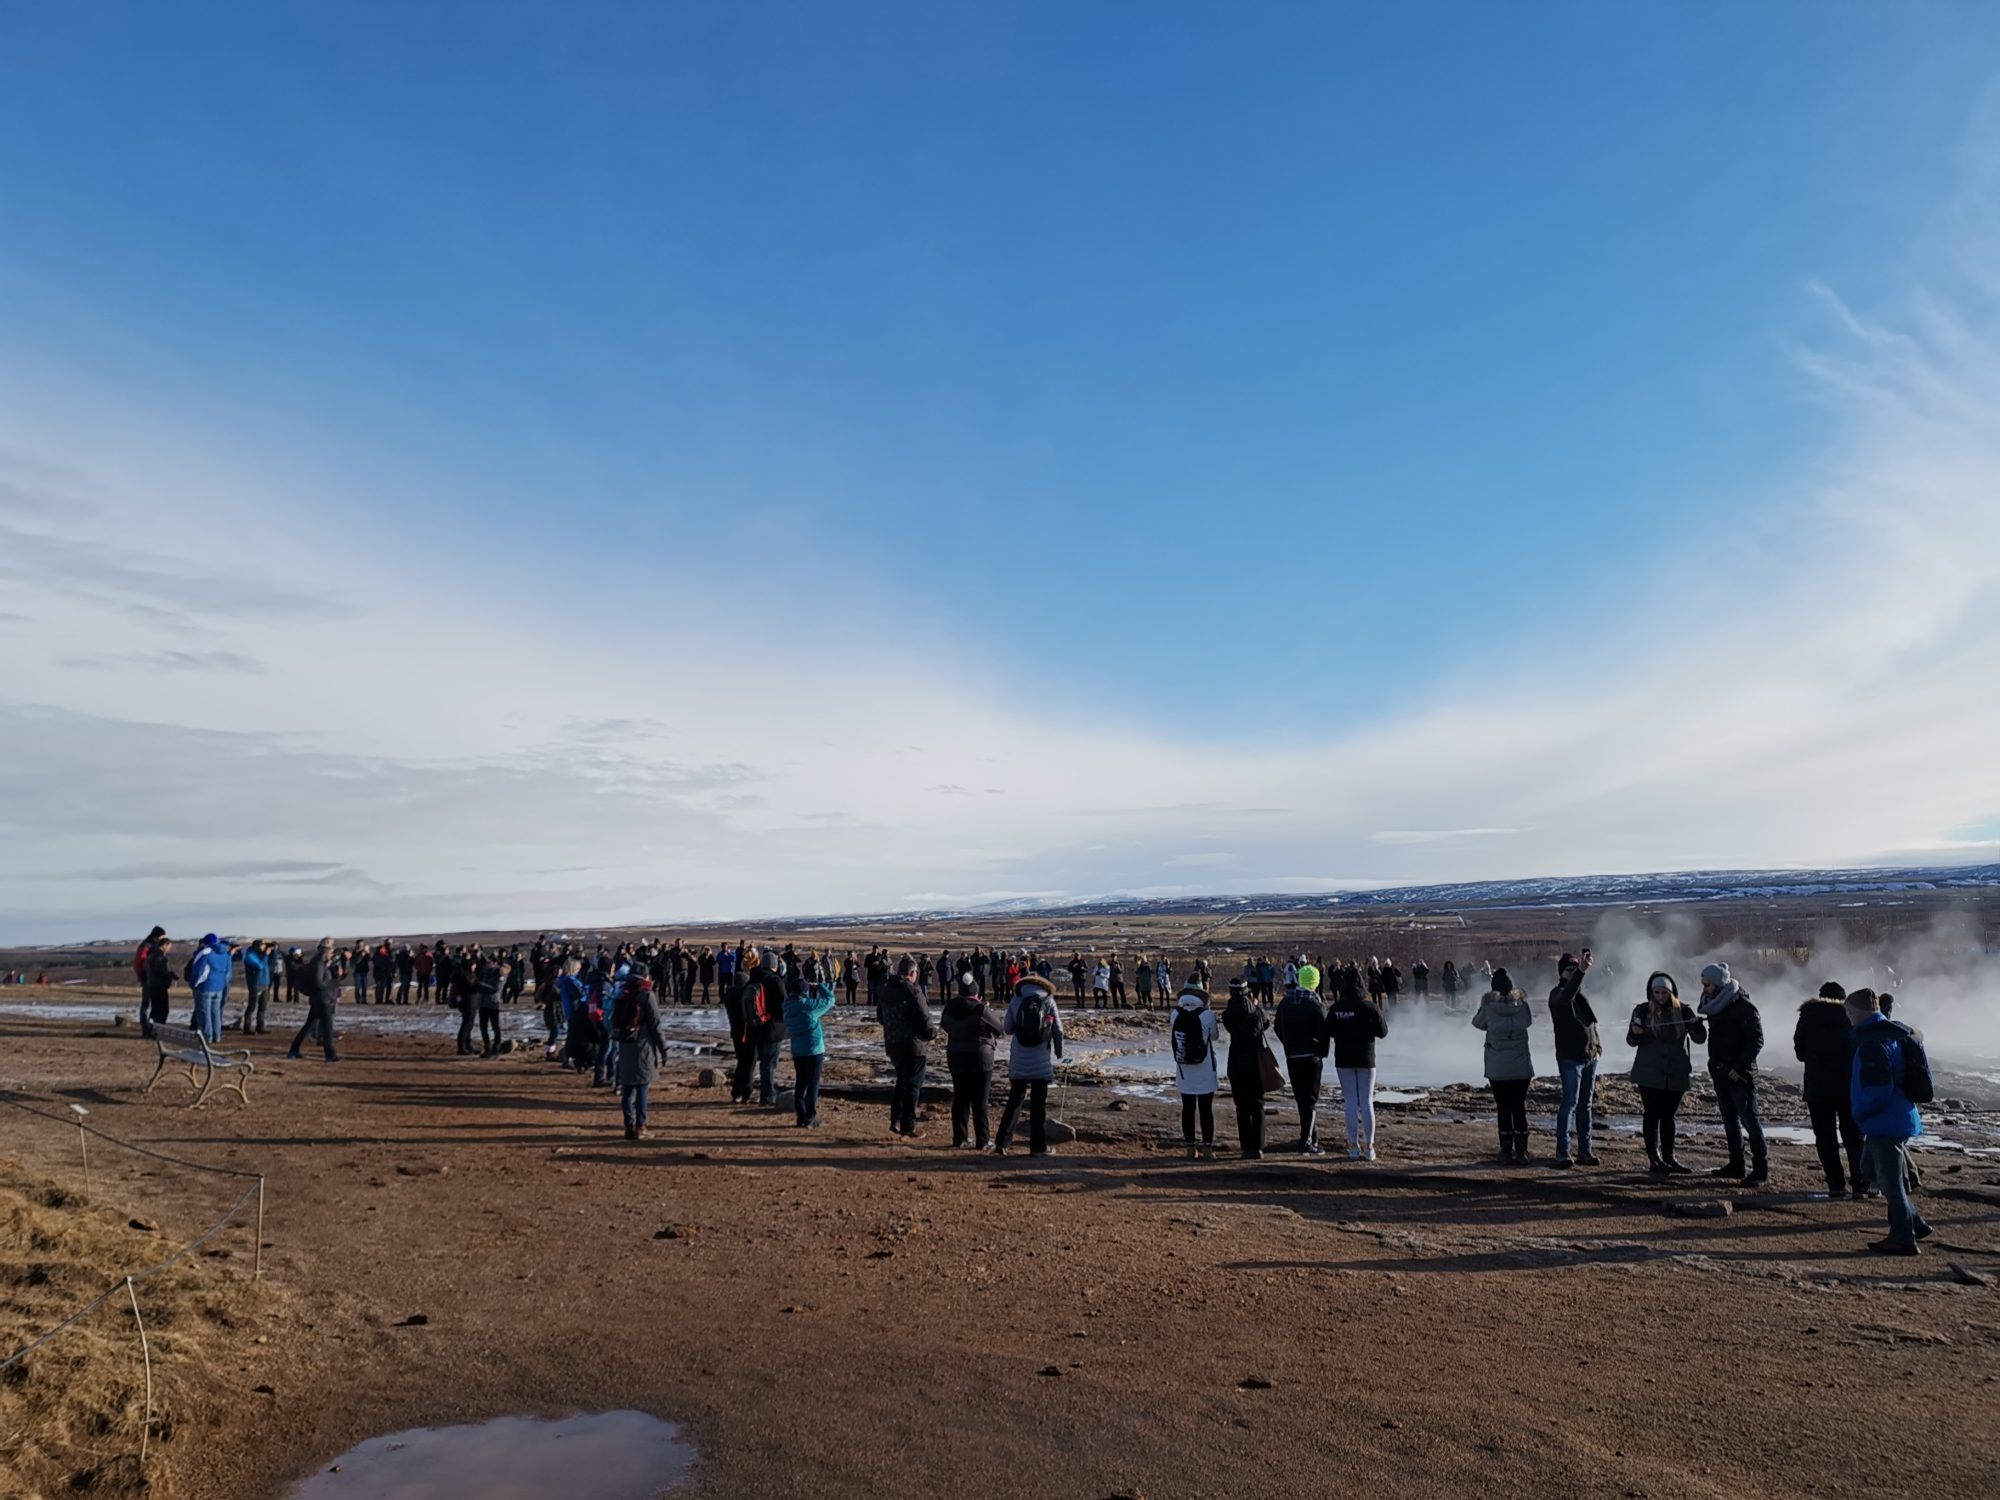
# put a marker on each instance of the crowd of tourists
(1865, 1074)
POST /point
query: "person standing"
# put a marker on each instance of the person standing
(256, 985)
(1449, 978)
(804, 1013)
(635, 1022)
(1356, 1023)
(1891, 1076)
(1117, 983)
(763, 1005)
(1035, 1025)
(1100, 985)
(1245, 1021)
(426, 963)
(382, 967)
(1577, 1052)
(1420, 978)
(357, 968)
(208, 977)
(1824, 1041)
(156, 982)
(1735, 1038)
(486, 986)
(322, 991)
(906, 1033)
(1301, 1028)
(1079, 973)
(1194, 1032)
(1661, 1032)
(971, 1030)
(141, 959)
(1504, 1016)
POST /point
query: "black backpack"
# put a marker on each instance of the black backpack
(1190, 1039)
(1031, 1020)
(1918, 1086)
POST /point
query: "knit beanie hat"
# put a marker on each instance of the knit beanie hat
(1716, 974)
(1308, 977)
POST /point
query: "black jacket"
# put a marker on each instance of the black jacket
(1735, 1037)
(906, 1020)
(1355, 1026)
(1301, 1025)
(1246, 1024)
(971, 1028)
(1824, 1042)
(1574, 1022)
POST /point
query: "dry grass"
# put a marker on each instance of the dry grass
(71, 1413)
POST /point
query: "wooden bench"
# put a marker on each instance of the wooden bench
(189, 1048)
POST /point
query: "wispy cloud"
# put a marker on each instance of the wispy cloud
(1438, 835)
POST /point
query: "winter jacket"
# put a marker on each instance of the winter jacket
(1355, 1026)
(1027, 1062)
(486, 986)
(256, 968)
(1881, 1108)
(906, 1020)
(1246, 1024)
(1824, 1042)
(159, 976)
(802, 1020)
(1505, 1019)
(317, 982)
(1574, 1022)
(971, 1029)
(208, 974)
(1301, 1025)
(1193, 1018)
(571, 993)
(760, 1006)
(1661, 1057)
(1735, 1034)
(641, 1048)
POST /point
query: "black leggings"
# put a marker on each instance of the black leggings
(1510, 1097)
(1249, 1100)
(971, 1083)
(1661, 1105)
(1835, 1134)
(1204, 1104)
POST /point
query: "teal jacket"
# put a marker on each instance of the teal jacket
(802, 1013)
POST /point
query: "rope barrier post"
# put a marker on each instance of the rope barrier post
(146, 1353)
(83, 1142)
(257, 1254)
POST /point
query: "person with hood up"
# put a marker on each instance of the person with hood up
(208, 977)
(1504, 1016)
(1193, 1033)
(1355, 1024)
(1035, 1025)
(1661, 1032)
(1301, 1028)
(1824, 1042)
(906, 1031)
(1577, 1054)
(322, 990)
(256, 985)
(1891, 1076)
(635, 1025)
(804, 1013)
(1244, 1019)
(1735, 1037)
(971, 1031)
(761, 1000)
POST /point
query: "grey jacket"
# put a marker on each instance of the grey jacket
(1505, 1019)
(641, 1052)
(1661, 1059)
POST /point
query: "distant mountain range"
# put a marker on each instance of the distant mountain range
(1557, 890)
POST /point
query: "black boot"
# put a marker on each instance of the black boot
(1731, 1168)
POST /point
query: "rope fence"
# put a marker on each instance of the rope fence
(128, 1283)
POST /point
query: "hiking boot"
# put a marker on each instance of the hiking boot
(1893, 1246)
(1679, 1168)
(1562, 1162)
(1586, 1159)
(1727, 1169)
(1759, 1175)
(1659, 1168)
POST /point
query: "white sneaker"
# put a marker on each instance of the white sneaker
(1368, 1152)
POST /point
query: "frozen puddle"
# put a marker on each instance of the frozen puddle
(613, 1455)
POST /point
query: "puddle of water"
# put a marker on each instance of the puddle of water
(613, 1455)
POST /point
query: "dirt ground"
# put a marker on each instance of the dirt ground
(837, 1312)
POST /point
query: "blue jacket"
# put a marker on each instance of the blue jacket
(802, 1013)
(209, 973)
(256, 967)
(1881, 1108)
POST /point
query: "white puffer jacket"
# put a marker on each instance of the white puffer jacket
(1194, 1078)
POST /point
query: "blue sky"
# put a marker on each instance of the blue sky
(1270, 372)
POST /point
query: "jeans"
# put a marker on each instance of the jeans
(1248, 1097)
(1660, 1107)
(1883, 1157)
(909, 1087)
(971, 1083)
(633, 1099)
(465, 1028)
(1579, 1081)
(767, 1070)
(489, 1030)
(254, 1006)
(806, 1073)
(360, 989)
(319, 1024)
(1835, 1130)
(606, 1070)
(1357, 1093)
(208, 1015)
(1036, 1091)
(1738, 1103)
(1305, 1075)
(1204, 1106)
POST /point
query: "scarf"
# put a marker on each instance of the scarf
(1721, 1000)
